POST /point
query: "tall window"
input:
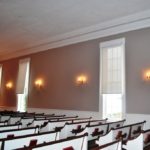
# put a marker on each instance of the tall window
(0, 74)
(112, 78)
(22, 84)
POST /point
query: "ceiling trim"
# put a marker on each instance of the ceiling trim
(121, 25)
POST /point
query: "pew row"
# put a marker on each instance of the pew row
(125, 133)
(21, 141)
(26, 121)
(72, 143)
(18, 132)
(95, 131)
(140, 142)
(58, 125)
(71, 129)
(40, 121)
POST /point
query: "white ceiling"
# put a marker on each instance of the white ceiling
(26, 23)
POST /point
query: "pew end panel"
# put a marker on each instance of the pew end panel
(95, 131)
(77, 143)
(105, 139)
(70, 129)
(136, 143)
(114, 125)
(136, 129)
(146, 137)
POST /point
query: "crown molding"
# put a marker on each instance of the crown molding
(121, 25)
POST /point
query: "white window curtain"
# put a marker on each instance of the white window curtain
(0, 74)
(22, 75)
(22, 84)
(112, 67)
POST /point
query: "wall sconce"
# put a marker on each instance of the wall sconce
(81, 80)
(147, 75)
(38, 83)
(9, 85)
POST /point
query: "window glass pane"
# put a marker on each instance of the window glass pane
(0, 74)
(112, 104)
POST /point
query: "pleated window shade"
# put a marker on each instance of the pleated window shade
(112, 67)
(0, 74)
(23, 69)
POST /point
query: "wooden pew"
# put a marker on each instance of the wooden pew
(55, 125)
(146, 138)
(71, 129)
(125, 133)
(37, 122)
(5, 117)
(18, 132)
(41, 121)
(72, 143)
(48, 117)
(62, 118)
(95, 131)
(21, 141)
(14, 120)
(115, 124)
(96, 122)
(81, 119)
(140, 142)
(26, 121)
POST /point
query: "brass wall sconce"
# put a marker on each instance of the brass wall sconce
(147, 75)
(81, 79)
(9, 85)
(39, 83)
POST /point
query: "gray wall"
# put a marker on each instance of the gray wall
(59, 68)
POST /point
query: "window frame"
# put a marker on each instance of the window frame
(1, 74)
(105, 44)
(25, 93)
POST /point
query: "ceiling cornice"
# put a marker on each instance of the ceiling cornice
(121, 25)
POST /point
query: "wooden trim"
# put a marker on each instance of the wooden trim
(145, 131)
(130, 125)
(95, 125)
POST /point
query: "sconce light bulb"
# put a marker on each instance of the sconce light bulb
(148, 75)
(39, 83)
(9, 85)
(82, 79)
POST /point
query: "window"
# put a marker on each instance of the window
(112, 78)
(22, 84)
(0, 74)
